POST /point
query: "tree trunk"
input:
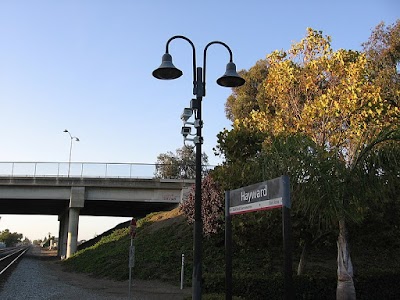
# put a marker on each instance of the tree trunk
(345, 286)
(302, 261)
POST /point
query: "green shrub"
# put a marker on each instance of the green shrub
(378, 286)
(253, 287)
(257, 271)
(371, 287)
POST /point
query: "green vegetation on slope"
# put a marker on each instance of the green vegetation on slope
(161, 240)
(163, 237)
(107, 258)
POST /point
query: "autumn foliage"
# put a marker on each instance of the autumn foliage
(212, 209)
(334, 97)
(321, 116)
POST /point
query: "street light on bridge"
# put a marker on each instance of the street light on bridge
(168, 71)
(72, 138)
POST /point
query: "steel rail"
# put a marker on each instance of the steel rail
(20, 251)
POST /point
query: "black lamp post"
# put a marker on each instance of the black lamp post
(168, 71)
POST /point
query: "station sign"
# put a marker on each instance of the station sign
(270, 194)
(260, 196)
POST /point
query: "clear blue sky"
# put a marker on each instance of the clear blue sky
(86, 66)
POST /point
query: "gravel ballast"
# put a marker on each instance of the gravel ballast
(30, 280)
(38, 278)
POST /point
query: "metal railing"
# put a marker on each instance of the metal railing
(79, 169)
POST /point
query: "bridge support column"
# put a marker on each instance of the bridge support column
(63, 235)
(77, 201)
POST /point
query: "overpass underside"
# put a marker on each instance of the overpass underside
(91, 208)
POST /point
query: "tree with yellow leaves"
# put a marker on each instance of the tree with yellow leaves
(346, 102)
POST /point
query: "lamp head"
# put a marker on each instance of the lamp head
(167, 70)
(65, 130)
(231, 78)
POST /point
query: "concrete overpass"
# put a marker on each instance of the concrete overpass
(70, 197)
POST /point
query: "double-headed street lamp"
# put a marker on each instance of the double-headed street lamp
(168, 71)
(70, 149)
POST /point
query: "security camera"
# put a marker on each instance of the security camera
(187, 113)
(186, 131)
(194, 104)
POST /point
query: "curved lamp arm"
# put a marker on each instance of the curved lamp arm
(230, 78)
(193, 50)
(168, 71)
(205, 57)
(72, 137)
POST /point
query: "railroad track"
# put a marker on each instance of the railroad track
(9, 256)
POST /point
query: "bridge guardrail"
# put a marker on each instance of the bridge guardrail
(79, 169)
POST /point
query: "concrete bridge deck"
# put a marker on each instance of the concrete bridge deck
(124, 197)
(74, 195)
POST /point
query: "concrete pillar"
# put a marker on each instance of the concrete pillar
(185, 193)
(72, 242)
(59, 236)
(63, 235)
(77, 201)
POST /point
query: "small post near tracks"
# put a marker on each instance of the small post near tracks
(132, 233)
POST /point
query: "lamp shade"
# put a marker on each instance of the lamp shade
(167, 70)
(231, 78)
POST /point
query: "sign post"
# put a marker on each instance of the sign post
(270, 194)
(132, 233)
(228, 249)
(287, 240)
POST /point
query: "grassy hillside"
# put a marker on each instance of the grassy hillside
(160, 241)
(163, 237)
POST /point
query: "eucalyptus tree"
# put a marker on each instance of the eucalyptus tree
(346, 102)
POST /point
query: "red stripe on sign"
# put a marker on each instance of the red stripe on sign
(256, 209)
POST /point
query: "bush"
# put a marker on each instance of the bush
(253, 287)
(212, 209)
(371, 287)
(378, 286)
